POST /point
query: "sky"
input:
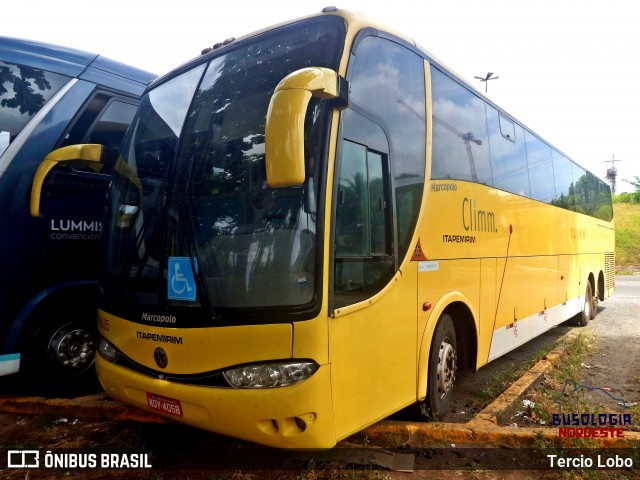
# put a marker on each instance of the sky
(568, 69)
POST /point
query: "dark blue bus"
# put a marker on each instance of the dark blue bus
(52, 97)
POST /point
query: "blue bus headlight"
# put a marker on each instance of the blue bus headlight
(106, 350)
(270, 375)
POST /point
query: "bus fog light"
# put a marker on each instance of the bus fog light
(106, 350)
(270, 375)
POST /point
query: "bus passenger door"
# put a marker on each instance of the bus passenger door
(377, 193)
(372, 333)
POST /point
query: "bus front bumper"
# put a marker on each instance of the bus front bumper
(297, 416)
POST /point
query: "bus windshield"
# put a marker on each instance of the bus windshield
(191, 220)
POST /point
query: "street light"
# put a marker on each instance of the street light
(486, 79)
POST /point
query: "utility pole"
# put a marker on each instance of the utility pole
(612, 173)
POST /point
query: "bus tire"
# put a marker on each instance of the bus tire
(60, 355)
(588, 308)
(442, 368)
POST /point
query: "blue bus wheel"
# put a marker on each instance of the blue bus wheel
(60, 353)
(71, 348)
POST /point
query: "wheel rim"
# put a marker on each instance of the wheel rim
(72, 348)
(446, 370)
(588, 304)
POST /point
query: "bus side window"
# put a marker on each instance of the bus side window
(508, 154)
(103, 121)
(562, 168)
(360, 221)
(387, 86)
(460, 142)
(23, 92)
(364, 252)
(541, 175)
(364, 261)
(382, 168)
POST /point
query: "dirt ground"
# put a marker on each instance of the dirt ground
(179, 452)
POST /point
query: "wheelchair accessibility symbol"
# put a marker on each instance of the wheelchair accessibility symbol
(181, 284)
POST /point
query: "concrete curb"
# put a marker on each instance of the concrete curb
(484, 430)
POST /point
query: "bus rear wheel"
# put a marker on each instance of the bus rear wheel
(589, 307)
(442, 368)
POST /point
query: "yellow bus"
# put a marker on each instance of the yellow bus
(316, 225)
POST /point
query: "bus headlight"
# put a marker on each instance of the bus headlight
(270, 375)
(106, 350)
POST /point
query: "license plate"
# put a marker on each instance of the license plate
(162, 404)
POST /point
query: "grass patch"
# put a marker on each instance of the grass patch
(505, 378)
(627, 221)
(499, 383)
(568, 366)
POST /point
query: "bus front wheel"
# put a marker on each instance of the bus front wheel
(59, 355)
(71, 348)
(442, 368)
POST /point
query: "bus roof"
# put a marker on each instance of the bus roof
(74, 63)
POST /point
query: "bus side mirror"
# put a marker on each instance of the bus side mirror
(284, 130)
(88, 154)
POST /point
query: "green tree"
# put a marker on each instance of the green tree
(635, 183)
(26, 99)
(633, 197)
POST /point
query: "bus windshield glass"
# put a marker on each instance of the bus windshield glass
(192, 222)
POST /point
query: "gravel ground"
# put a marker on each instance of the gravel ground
(613, 367)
